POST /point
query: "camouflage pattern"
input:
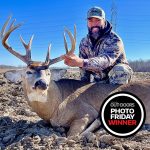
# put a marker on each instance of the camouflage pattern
(100, 60)
(120, 74)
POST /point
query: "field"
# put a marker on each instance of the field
(20, 128)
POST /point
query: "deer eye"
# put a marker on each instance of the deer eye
(28, 72)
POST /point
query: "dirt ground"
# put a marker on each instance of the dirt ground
(20, 128)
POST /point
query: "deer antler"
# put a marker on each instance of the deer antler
(27, 58)
(68, 52)
(5, 35)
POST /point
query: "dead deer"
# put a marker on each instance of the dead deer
(66, 102)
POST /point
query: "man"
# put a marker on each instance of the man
(101, 52)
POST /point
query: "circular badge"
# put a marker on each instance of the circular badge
(122, 114)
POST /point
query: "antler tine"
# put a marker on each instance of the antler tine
(30, 42)
(5, 35)
(65, 43)
(68, 52)
(75, 33)
(48, 55)
(4, 26)
(12, 24)
(73, 41)
(27, 47)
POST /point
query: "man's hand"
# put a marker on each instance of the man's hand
(73, 60)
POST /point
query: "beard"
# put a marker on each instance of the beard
(95, 32)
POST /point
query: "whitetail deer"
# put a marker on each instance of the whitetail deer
(67, 103)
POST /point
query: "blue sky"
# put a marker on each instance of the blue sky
(46, 20)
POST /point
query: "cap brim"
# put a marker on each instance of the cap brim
(95, 17)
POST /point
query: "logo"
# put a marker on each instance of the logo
(122, 114)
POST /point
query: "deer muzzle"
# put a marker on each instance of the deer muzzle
(41, 84)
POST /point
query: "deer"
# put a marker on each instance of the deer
(67, 103)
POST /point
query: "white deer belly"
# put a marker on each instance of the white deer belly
(40, 97)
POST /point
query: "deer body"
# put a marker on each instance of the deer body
(70, 101)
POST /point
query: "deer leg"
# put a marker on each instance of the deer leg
(78, 126)
(92, 127)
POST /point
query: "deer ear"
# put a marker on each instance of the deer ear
(14, 75)
(57, 74)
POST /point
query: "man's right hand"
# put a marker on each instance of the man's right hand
(73, 60)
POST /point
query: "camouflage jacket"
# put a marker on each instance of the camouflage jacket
(100, 58)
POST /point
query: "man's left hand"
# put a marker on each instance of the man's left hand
(73, 60)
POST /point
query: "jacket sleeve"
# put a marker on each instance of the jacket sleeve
(106, 57)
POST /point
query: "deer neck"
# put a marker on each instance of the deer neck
(54, 96)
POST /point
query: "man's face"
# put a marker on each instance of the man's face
(96, 22)
(95, 26)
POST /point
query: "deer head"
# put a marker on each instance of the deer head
(36, 75)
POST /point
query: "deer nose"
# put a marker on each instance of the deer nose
(41, 84)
